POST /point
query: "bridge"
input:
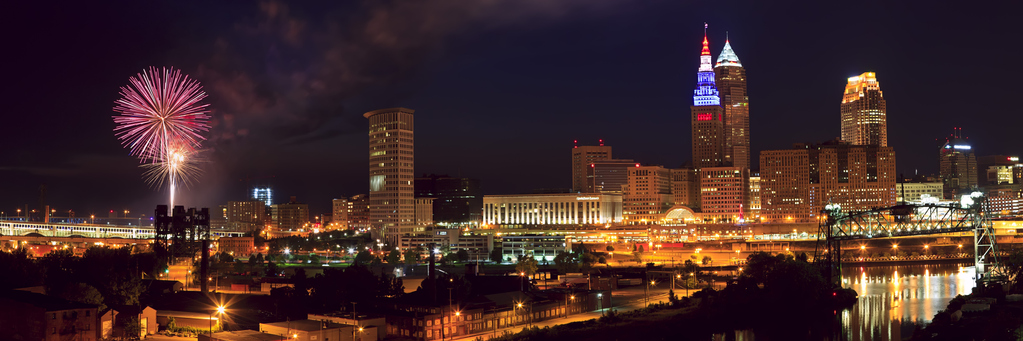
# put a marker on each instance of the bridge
(907, 220)
(59, 231)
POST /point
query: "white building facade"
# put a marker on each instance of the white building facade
(552, 209)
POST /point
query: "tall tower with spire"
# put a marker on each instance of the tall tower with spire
(731, 80)
(707, 115)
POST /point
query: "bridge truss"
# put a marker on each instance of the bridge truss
(903, 221)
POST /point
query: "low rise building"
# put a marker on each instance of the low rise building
(309, 330)
(32, 316)
(542, 247)
(552, 209)
(237, 246)
(914, 191)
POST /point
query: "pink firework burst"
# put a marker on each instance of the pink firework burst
(159, 109)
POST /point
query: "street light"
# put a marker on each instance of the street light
(219, 311)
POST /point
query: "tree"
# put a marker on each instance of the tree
(271, 269)
(132, 328)
(411, 256)
(259, 258)
(637, 256)
(565, 263)
(82, 293)
(363, 257)
(462, 255)
(527, 264)
(394, 257)
(610, 248)
(495, 255)
(639, 247)
(225, 257)
(707, 260)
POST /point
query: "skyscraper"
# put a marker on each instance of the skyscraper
(391, 171)
(864, 117)
(731, 80)
(582, 157)
(707, 115)
(957, 165)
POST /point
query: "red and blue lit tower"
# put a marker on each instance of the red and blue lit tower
(707, 114)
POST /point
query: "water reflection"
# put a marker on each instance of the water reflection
(895, 299)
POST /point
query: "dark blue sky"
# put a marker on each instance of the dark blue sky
(500, 88)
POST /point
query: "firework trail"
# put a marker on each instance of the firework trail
(161, 122)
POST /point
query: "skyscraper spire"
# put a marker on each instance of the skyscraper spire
(706, 114)
(727, 56)
(706, 92)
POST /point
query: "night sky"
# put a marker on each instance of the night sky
(500, 87)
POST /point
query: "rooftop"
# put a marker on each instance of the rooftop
(49, 303)
(307, 325)
(247, 335)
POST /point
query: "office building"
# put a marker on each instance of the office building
(685, 188)
(457, 200)
(608, 176)
(998, 169)
(339, 210)
(647, 196)
(391, 171)
(915, 191)
(582, 157)
(731, 81)
(957, 165)
(707, 115)
(552, 209)
(237, 246)
(246, 215)
(724, 194)
(358, 212)
(291, 216)
(797, 183)
(264, 194)
(424, 213)
(864, 116)
(754, 197)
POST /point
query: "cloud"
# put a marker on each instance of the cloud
(286, 74)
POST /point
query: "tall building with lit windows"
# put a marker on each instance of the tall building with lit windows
(582, 158)
(957, 165)
(707, 115)
(392, 199)
(796, 184)
(864, 117)
(647, 195)
(731, 81)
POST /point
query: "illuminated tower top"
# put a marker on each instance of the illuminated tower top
(706, 92)
(727, 56)
(864, 114)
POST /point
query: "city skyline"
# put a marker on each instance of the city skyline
(474, 96)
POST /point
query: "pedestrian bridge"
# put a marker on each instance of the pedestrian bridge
(36, 229)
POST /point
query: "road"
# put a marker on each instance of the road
(627, 299)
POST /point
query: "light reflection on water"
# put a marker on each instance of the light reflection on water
(894, 299)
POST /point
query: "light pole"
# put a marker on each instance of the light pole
(219, 311)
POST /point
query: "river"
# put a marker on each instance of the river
(893, 299)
